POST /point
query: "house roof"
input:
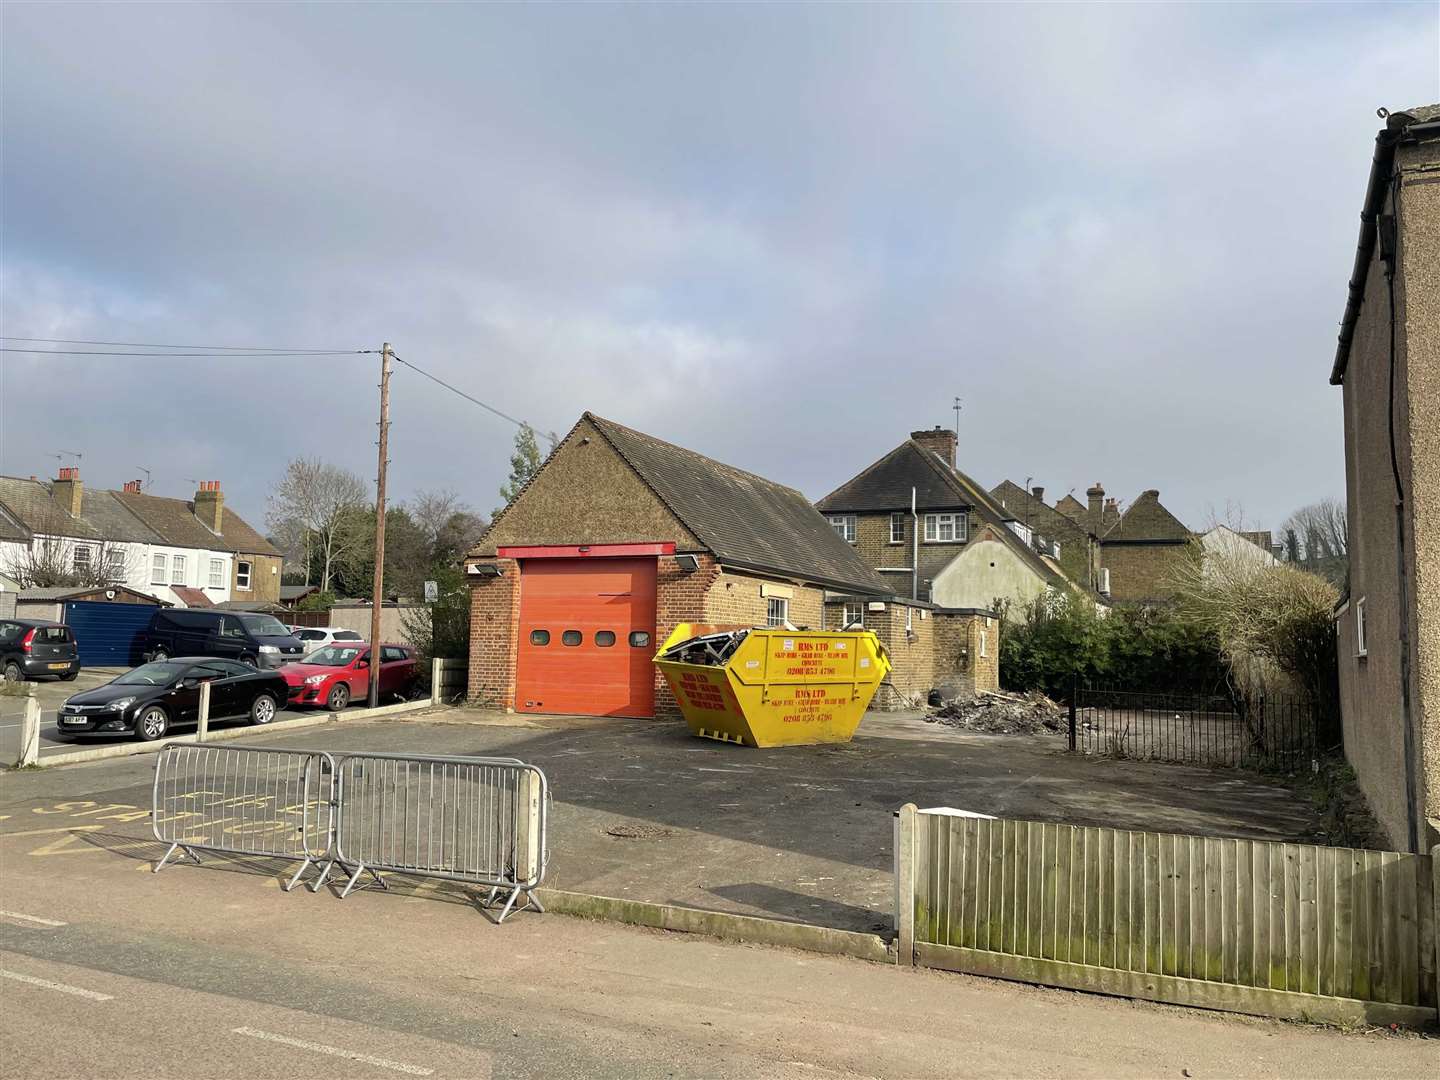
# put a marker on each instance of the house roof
(938, 485)
(175, 522)
(297, 592)
(1146, 519)
(743, 519)
(1046, 520)
(27, 507)
(1072, 508)
(192, 597)
(65, 592)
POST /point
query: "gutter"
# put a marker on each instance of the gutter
(1381, 166)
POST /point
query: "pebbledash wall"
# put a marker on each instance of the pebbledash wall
(954, 651)
(710, 595)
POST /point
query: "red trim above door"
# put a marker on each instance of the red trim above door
(585, 551)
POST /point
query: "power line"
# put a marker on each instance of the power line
(232, 354)
(456, 390)
(162, 345)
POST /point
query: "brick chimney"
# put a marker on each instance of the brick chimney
(210, 505)
(1038, 493)
(1096, 496)
(939, 440)
(132, 487)
(68, 491)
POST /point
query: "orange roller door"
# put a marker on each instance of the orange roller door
(587, 636)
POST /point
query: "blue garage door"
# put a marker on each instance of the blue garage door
(106, 632)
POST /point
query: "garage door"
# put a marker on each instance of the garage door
(105, 632)
(587, 630)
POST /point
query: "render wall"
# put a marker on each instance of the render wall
(986, 571)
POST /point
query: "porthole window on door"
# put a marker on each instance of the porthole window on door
(639, 639)
(604, 638)
(571, 637)
(539, 637)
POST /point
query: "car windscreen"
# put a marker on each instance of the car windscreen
(334, 656)
(157, 674)
(264, 626)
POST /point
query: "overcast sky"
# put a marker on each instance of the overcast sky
(781, 236)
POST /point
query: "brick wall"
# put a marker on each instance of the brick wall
(1142, 571)
(265, 573)
(494, 621)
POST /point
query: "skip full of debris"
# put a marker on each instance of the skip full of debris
(1002, 714)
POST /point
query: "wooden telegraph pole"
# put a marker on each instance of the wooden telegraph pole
(379, 592)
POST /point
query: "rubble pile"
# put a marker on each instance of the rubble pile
(1002, 714)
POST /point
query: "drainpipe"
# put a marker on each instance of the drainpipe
(914, 549)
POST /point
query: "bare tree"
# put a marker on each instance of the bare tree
(1317, 537)
(321, 499)
(65, 562)
(450, 526)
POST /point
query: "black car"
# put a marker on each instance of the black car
(258, 640)
(31, 647)
(154, 698)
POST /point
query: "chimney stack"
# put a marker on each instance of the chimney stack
(1095, 517)
(940, 441)
(132, 487)
(68, 491)
(210, 506)
(1038, 493)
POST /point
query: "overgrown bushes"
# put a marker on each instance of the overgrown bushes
(1060, 638)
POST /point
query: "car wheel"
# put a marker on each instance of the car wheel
(338, 697)
(248, 659)
(160, 653)
(13, 672)
(262, 710)
(151, 724)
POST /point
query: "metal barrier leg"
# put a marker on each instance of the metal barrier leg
(186, 853)
(361, 868)
(295, 878)
(322, 877)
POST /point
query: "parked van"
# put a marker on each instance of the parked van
(261, 641)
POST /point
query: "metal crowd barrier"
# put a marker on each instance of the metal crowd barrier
(478, 820)
(246, 800)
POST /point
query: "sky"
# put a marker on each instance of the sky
(781, 235)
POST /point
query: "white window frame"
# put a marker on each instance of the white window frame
(159, 569)
(217, 574)
(75, 559)
(844, 526)
(957, 524)
(777, 611)
(115, 565)
(852, 614)
(244, 570)
(1362, 645)
(178, 570)
(897, 519)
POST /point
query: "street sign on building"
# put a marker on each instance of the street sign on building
(432, 592)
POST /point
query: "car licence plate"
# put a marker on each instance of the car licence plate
(58, 667)
(73, 720)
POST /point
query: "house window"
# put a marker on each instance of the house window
(217, 573)
(853, 615)
(897, 528)
(1360, 642)
(777, 611)
(115, 564)
(1105, 580)
(946, 528)
(242, 575)
(82, 558)
(157, 570)
(844, 525)
(177, 570)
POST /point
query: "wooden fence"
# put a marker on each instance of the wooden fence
(448, 679)
(1288, 930)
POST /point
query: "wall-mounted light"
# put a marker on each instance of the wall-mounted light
(484, 570)
(688, 563)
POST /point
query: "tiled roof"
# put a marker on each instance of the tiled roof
(29, 502)
(297, 592)
(743, 519)
(1147, 519)
(175, 521)
(1072, 508)
(192, 597)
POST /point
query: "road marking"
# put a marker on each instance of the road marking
(32, 918)
(78, 991)
(334, 1051)
(45, 832)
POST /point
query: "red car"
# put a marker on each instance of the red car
(340, 672)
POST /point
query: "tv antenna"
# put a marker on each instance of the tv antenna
(63, 454)
(957, 407)
(146, 471)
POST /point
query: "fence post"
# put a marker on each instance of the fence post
(1074, 693)
(437, 669)
(905, 885)
(203, 721)
(30, 733)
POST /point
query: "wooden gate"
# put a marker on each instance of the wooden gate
(1288, 930)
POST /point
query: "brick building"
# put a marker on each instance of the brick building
(617, 538)
(958, 548)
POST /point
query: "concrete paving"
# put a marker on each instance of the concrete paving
(644, 811)
(212, 971)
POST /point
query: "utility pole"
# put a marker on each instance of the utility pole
(377, 601)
